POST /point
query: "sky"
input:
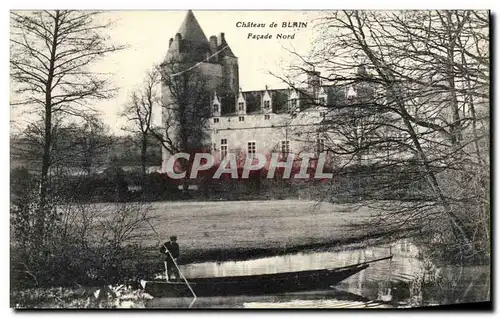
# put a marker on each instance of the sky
(147, 34)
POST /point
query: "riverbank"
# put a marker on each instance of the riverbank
(128, 293)
(211, 231)
(241, 230)
(217, 231)
(413, 282)
(152, 263)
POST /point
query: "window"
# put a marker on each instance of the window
(267, 104)
(266, 117)
(294, 102)
(320, 146)
(285, 147)
(241, 107)
(216, 120)
(251, 149)
(223, 148)
(322, 101)
(241, 118)
(216, 108)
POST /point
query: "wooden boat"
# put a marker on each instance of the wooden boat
(255, 284)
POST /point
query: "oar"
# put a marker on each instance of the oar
(175, 263)
(367, 262)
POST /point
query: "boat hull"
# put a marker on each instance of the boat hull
(253, 285)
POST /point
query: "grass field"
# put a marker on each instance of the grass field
(247, 224)
(254, 227)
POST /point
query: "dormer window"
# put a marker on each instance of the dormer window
(294, 102)
(322, 101)
(216, 108)
(241, 107)
(267, 104)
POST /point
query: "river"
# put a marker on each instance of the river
(406, 280)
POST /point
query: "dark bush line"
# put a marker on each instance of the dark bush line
(349, 184)
(72, 265)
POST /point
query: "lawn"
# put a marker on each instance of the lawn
(237, 230)
(246, 225)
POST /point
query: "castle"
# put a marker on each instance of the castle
(248, 122)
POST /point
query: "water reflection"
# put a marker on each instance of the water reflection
(408, 279)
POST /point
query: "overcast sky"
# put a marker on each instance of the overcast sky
(147, 33)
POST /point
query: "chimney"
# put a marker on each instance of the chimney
(213, 44)
(222, 38)
(170, 42)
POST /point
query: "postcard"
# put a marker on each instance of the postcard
(250, 159)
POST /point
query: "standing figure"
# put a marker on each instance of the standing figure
(173, 248)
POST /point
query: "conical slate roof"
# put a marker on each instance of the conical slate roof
(194, 44)
(191, 30)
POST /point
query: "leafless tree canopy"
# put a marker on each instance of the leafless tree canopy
(187, 108)
(422, 99)
(139, 111)
(51, 56)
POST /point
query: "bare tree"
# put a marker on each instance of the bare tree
(51, 55)
(428, 74)
(139, 112)
(123, 223)
(185, 108)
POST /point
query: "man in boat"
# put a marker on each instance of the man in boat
(173, 248)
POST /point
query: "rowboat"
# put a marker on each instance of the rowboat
(255, 284)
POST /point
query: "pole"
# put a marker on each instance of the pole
(177, 266)
(367, 262)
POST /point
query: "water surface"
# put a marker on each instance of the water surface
(409, 279)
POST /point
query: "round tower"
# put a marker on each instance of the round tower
(193, 65)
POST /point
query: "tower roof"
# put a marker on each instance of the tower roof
(191, 30)
(223, 44)
(193, 43)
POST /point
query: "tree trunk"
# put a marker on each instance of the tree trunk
(144, 151)
(47, 141)
(455, 221)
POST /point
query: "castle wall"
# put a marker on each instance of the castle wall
(301, 132)
(213, 74)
